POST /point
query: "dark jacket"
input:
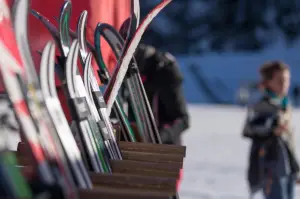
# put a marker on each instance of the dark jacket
(269, 154)
(163, 84)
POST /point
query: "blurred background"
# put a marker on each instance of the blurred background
(220, 44)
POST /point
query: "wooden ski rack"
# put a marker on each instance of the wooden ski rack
(146, 171)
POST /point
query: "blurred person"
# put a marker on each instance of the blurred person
(162, 80)
(273, 167)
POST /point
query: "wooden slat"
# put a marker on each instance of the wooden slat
(152, 148)
(153, 157)
(112, 193)
(145, 168)
(149, 183)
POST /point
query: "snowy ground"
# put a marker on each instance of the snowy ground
(217, 154)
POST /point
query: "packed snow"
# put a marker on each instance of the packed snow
(216, 160)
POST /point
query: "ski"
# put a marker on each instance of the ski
(95, 94)
(47, 76)
(127, 31)
(103, 143)
(80, 106)
(135, 94)
(103, 148)
(73, 82)
(101, 30)
(125, 125)
(87, 138)
(122, 66)
(93, 117)
(20, 17)
(136, 80)
(133, 22)
(13, 75)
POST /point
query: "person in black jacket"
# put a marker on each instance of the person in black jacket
(163, 84)
(273, 166)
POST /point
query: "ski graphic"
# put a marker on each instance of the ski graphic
(122, 66)
(47, 76)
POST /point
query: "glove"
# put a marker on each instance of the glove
(166, 136)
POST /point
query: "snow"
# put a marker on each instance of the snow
(216, 160)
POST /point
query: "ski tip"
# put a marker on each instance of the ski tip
(82, 21)
(97, 26)
(47, 52)
(65, 14)
(35, 13)
(71, 63)
(84, 13)
(135, 4)
(67, 2)
(81, 31)
(125, 28)
(49, 46)
(66, 7)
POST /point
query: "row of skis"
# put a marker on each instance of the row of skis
(62, 167)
